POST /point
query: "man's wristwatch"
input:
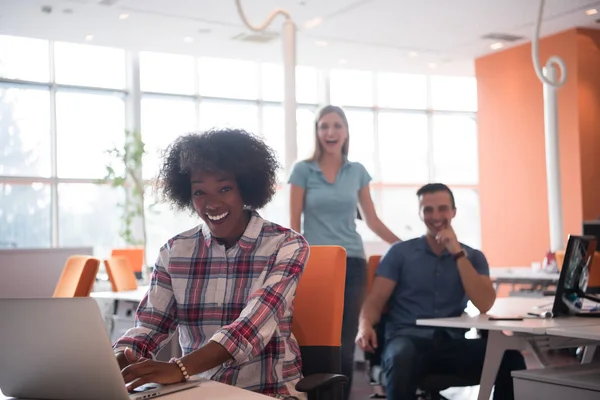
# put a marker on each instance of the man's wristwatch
(462, 253)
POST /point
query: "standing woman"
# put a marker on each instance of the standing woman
(327, 188)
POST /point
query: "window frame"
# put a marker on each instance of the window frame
(133, 95)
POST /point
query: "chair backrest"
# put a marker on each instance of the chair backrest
(372, 265)
(120, 274)
(319, 308)
(135, 257)
(77, 277)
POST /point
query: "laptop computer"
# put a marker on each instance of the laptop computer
(58, 348)
(573, 280)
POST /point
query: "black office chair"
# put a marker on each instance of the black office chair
(429, 387)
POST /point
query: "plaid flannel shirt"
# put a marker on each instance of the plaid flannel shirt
(241, 298)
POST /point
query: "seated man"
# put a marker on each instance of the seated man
(431, 277)
(229, 283)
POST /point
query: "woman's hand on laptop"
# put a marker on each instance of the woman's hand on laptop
(125, 357)
(143, 370)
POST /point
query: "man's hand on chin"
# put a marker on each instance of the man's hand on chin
(447, 237)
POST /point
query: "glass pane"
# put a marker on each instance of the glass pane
(87, 126)
(400, 212)
(403, 153)
(89, 215)
(363, 230)
(24, 58)
(278, 210)
(307, 83)
(467, 223)
(351, 88)
(274, 132)
(163, 223)
(455, 152)
(306, 132)
(402, 90)
(24, 132)
(167, 73)
(220, 114)
(455, 93)
(85, 65)
(234, 79)
(25, 215)
(163, 120)
(362, 148)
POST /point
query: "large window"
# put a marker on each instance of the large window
(409, 130)
(25, 219)
(164, 118)
(56, 123)
(24, 59)
(403, 148)
(87, 125)
(455, 151)
(84, 65)
(233, 79)
(167, 73)
(62, 105)
(24, 132)
(80, 206)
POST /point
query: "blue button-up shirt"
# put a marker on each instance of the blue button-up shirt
(427, 286)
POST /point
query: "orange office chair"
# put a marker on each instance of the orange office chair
(317, 322)
(120, 274)
(77, 277)
(135, 257)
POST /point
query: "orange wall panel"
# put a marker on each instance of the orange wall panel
(588, 48)
(513, 190)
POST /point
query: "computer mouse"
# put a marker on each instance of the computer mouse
(546, 314)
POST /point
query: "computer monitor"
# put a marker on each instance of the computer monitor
(574, 275)
(592, 228)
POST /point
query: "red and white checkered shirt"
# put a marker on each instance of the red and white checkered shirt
(241, 298)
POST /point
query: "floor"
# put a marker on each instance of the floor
(361, 390)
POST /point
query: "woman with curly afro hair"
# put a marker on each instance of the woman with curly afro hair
(227, 284)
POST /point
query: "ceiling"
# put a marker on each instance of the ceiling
(437, 36)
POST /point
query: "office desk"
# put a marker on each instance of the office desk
(129, 295)
(532, 334)
(581, 382)
(591, 332)
(537, 280)
(172, 349)
(208, 390)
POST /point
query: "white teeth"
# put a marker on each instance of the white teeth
(217, 217)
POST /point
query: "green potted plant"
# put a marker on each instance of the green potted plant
(124, 170)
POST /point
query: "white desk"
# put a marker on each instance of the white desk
(208, 390)
(531, 334)
(172, 349)
(522, 275)
(591, 332)
(538, 280)
(130, 295)
(581, 382)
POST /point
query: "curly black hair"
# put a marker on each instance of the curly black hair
(231, 151)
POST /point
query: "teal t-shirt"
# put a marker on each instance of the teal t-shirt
(330, 208)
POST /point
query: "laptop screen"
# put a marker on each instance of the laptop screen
(574, 275)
